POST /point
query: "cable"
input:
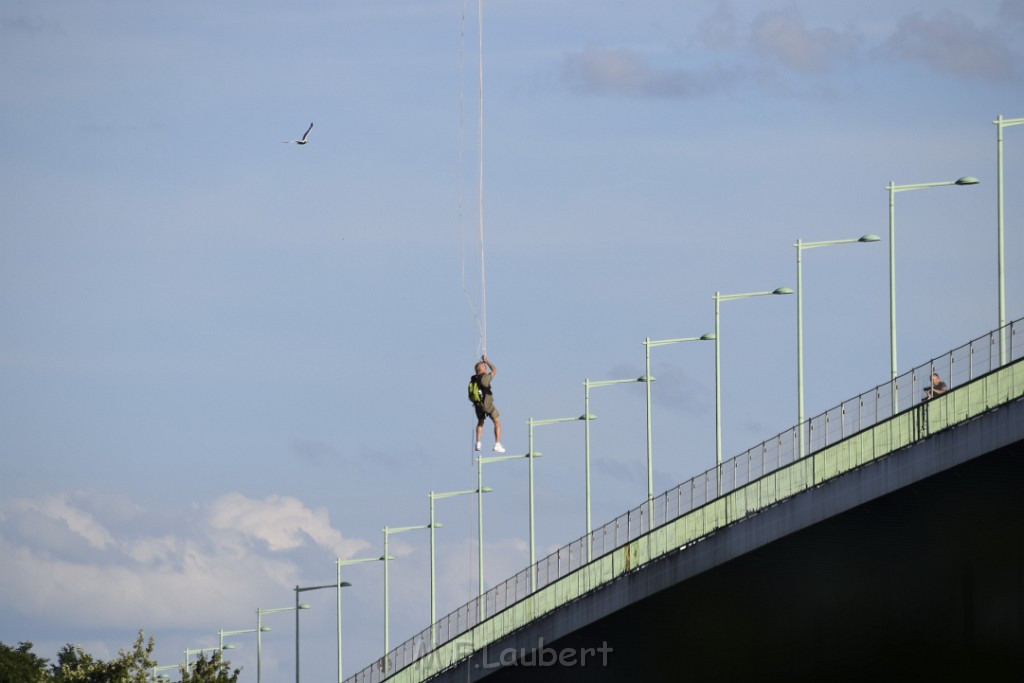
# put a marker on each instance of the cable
(479, 318)
(480, 157)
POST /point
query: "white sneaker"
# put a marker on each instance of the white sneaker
(498, 448)
(477, 445)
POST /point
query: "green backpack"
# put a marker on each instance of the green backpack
(475, 391)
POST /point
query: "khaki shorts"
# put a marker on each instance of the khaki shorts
(486, 409)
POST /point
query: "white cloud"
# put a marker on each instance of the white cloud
(779, 44)
(784, 38)
(68, 518)
(627, 72)
(952, 44)
(154, 579)
(281, 521)
(717, 59)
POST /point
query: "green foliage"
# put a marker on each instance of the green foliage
(74, 665)
(21, 665)
(212, 670)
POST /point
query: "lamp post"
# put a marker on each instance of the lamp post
(387, 532)
(259, 631)
(480, 516)
(893, 189)
(433, 594)
(340, 563)
(1000, 124)
(222, 633)
(339, 585)
(587, 384)
(437, 496)
(800, 246)
(533, 546)
(648, 343)
(719, 297)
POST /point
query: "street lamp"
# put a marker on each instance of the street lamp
(480, 516)
(587, 384)
(340, 562)
(259, 631)
(531, 455)
(893, 189)
(221, 633)
(648, 343)
(719, 297)
(1000, 124)
(436, 496)
(387, 532)
(800, 246)
(339, 585)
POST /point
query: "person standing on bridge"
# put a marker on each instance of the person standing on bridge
(937, 387)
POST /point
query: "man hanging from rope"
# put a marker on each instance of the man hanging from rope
(483, 401)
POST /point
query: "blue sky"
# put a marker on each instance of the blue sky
(226, 361)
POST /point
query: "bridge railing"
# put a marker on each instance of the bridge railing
(957, 368)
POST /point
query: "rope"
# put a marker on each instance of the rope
(480, 157)
(479, 319)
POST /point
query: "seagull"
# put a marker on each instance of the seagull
(303, 140)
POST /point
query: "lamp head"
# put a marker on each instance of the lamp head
(783, 290)
(710, 336)
(869, 238)
(967, 180)
(304, 606)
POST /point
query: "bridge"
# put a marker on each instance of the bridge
(894, 547)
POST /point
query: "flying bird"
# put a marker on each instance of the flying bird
(303, 140)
